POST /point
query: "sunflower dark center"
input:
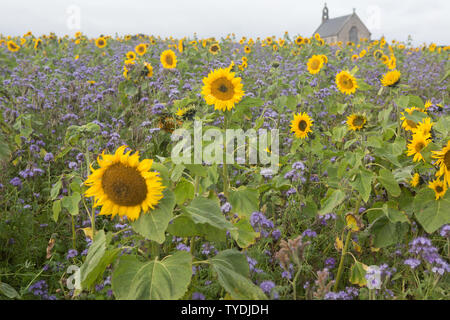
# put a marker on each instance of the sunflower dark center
(358, 122)
(439, 189)
(447, 160)
(124, 185)
(169, 60)
(214, 48)
(223, 88)
(411, 123)
(419, 146)
(315, 64)
(302, 125)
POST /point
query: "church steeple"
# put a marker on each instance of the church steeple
(325, 13)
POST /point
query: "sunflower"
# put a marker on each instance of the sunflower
(428, 104)
(416, 145)
(141, 49)
(131, 55)
(301, 125)
(149, 68)
(377, 54)
(186, 113)
(124, 185)
(100, 42)
(247, 49)
(222, 89)
(362, 53)
(392, 63)
(356, 121)
(424, 126)
(409, 125)
(414, 180)
(439, 188)
(346, 82)
(275, 47)
(168, 59)
(299, 40)
(37, 43)
(314, 64)
(214, 48)
(12, 46)
(269, 40)
(324, 58)
(355, 57)
(391, 78)
(443, 161)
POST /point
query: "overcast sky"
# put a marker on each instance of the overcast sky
(426, 21)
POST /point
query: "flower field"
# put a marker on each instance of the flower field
(95, 203)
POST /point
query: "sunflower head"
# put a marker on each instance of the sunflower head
(148, 69)
(247, 49)
(414, 180)
(214, 48)
(131, 55)
(141, 49)
(100, 42)
(222, 89)
(356, 121)
(314, 64)
(346, 82)
(416, 145)
(12, 46)
(124, 185)
(443, 161)
(439, 188)
(407, 124)
(168, 59)
(301, 125)
(299, 40)
(424, 126)
(391, 78)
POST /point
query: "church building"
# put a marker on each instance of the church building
(346, 28)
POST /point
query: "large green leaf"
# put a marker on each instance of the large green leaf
(244, 234)
(431, 214)
(167, 279)
(98, 258)
(232, 271)
(363, 183)
(153, 224)
(206, 211)
(184, 226)
(183, 191)
(334, 199)
(387, 179)
(244, 201)
(387, 233)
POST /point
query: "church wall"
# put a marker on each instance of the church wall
(343, 35)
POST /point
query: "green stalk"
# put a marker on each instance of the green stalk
(344, 250)
(73, 233)
(225, 168)
(88, 162)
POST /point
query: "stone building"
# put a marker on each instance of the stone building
(345, 28)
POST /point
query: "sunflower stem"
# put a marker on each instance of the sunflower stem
(73, 234)
(88, 162)
(344, 250)
(225, 168)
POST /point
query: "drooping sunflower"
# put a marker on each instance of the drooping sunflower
(131, 55)
(346, 82)
(100, 42)
(37, 44)
(314, 64)
(392, 63)
(214, 48)
(301, 125)
(168, 59)
(222, 89)
(356, 121)
(439, 188)
(12, 46)
(407, 124)
(416, 145)
(443, 162)
(414, 180)
(141, 49)
(391, 78)
(124, 185)
(324, 58)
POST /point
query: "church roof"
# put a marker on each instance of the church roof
(331, 27)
